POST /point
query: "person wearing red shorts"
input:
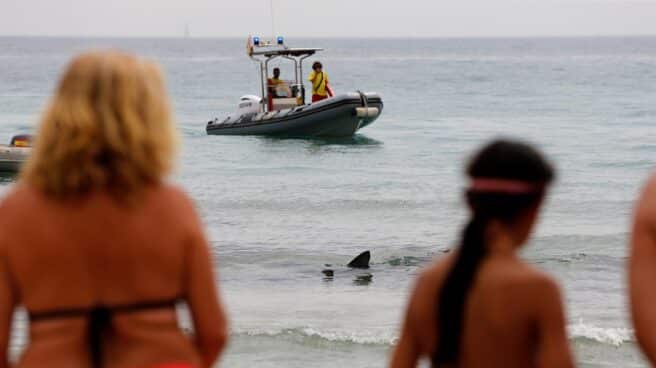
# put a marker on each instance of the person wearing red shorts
(320, 87)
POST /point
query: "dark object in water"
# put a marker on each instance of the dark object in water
(364, 279)
(361, 261)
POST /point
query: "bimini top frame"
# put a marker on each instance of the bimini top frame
(285, 51)
(263, 53)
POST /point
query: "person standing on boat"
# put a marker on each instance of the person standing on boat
(320, 88)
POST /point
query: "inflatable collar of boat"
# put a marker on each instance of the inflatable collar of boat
(14, 155)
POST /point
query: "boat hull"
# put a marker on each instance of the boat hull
(12, 158)
(10, 165)
(340, 116)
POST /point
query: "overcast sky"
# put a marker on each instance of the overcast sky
(328, 18)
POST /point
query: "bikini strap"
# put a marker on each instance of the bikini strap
(82, 311)
(100, 318)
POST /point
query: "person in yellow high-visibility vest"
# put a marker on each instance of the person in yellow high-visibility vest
(277, 86)
(320, 88)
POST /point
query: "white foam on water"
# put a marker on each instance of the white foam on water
(333, 336)
(615, 336)
(387, 338)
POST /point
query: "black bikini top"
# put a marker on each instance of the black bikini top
(100, 318)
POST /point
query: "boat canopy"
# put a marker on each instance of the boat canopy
(263, 52)
(285, 51)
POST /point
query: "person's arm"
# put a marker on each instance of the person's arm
(406, 353)
(8, 301)
(553, 346)
(642, 272)
(329, 89)
(312, 76)
(210, 323)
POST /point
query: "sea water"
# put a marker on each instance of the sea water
(278, 210)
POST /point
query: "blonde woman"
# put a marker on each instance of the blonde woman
(94, 244)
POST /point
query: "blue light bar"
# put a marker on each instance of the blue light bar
(256, 41)
(281, 40)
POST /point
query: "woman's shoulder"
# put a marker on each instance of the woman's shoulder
(538, 292)
(172, 191)
(535, 276)
(646, 202)
(20, 197)
(23, 197)
(427, 283)
(18, 208)
(651, 181)
(518, 276)
(172, 196)
(432, 276)
(530, 281)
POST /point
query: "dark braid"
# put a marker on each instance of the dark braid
(500, 160)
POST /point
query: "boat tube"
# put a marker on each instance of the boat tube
(13, 156)
(339, 116)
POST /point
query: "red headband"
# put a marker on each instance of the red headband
(504, 186)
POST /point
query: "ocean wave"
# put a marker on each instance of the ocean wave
(311, 335)
(614, 336)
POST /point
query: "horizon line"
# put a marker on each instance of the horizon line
(377, 37)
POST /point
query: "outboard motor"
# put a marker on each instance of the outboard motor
(249, 104)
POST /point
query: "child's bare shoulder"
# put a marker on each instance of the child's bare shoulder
(534, 281)
(434, 274)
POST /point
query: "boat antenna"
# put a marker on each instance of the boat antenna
(273, 24)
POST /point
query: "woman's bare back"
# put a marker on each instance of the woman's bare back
(513, 318)
(78, 255)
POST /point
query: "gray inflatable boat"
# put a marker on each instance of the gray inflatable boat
(282, 111)
(13, 156)
(340, 116)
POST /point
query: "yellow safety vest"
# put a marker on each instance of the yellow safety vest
(319, 81)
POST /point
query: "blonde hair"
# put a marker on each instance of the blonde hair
(108, 127)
